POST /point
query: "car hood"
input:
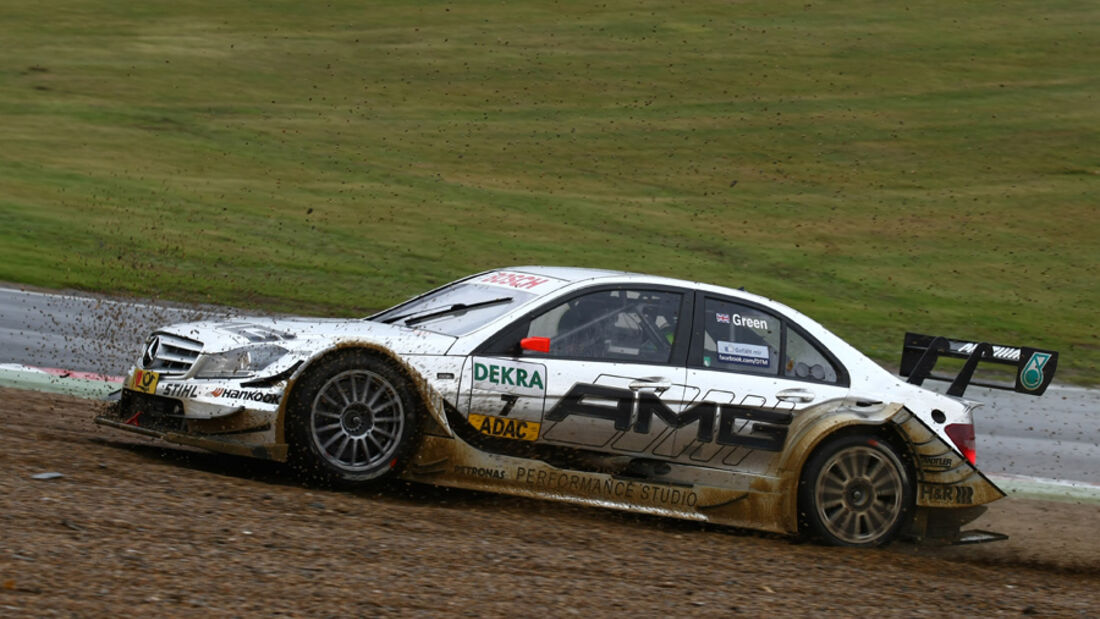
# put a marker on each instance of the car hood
(303, 334)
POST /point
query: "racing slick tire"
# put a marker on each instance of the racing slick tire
(855, 490)
(353, 418)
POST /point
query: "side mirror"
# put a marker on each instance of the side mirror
(535, 344)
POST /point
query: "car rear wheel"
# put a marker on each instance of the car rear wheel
(353, 419)
(856, 491)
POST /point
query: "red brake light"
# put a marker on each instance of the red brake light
(962, 434)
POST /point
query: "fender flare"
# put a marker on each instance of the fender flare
(819, 424)
(432, 399)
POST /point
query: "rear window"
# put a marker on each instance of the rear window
(741, 338)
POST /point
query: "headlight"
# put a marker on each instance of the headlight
(238, 363)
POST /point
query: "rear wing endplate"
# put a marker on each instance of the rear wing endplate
(1034, 367)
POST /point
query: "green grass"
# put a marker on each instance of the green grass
(927, 166)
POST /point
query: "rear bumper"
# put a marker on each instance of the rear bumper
(943, 526)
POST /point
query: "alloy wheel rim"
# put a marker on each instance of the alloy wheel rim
(356, 420)
(859, 494)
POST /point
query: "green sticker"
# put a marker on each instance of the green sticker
(1031, 377)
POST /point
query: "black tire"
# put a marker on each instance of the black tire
(353, 418)
(855, 490)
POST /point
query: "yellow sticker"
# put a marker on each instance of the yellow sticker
(503, 427)
(143, 381)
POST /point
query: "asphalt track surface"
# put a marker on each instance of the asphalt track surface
(83, 333)
(1056, 436)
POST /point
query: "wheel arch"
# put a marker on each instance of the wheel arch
(429, 398)
(812, 435)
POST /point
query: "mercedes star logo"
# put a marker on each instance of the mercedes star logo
(151, 350)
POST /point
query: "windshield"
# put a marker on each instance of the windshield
(457, 309)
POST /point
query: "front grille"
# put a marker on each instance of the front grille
(170, 354)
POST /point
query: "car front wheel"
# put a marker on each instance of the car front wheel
(353, 418)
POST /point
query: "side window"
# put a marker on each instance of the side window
(611, 325)
(740, 338)
(804, 360)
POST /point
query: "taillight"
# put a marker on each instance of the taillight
(962, 434)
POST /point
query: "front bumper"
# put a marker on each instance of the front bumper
(205, 398)
(220, 416)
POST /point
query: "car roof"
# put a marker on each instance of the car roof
(578, 274)
(569, 274)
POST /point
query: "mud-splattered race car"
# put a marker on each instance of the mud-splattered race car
(602, 388)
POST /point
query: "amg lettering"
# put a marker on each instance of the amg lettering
(643, 406)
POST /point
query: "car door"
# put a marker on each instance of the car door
(610, 371)
(753, 371)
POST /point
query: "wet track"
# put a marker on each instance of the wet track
(81, 332)
(1056, 436)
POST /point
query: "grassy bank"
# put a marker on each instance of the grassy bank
(928, 167)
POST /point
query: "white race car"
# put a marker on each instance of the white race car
(604, 388)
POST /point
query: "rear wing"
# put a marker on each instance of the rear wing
(1034, 367)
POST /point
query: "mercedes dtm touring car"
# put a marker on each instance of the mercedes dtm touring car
(602, 388)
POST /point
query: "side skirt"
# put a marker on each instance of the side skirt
(451, 462)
